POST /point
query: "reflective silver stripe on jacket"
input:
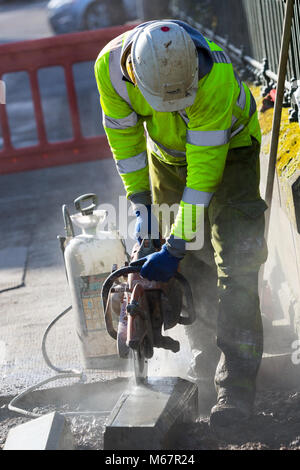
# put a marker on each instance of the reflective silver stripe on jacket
(123, 123)
(220, 57)
(252, 105)
(128, 165)
(184, 116)
(239, 129)
(233, 121)
(172, 152)
(115, 73)
(153, 145)
(241, 101)
(208, 138)
(192, 196)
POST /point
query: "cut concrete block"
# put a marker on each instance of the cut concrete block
(145, 416)
(49, 432)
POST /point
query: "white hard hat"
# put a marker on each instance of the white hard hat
(165, 66)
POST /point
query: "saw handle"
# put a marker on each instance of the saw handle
(186, 288)
(86, 197)
(189, 300)
(108, 283)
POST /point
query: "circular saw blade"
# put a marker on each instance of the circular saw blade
(123, 349)
(140, 365)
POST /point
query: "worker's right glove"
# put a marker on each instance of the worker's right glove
(158, 266)
(162, 265)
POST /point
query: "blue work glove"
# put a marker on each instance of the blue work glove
(159, 266)
(146, 224)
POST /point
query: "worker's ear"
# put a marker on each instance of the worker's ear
(129, 69)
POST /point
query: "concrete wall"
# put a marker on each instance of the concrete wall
(280, 296)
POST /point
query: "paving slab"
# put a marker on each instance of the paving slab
(145, 415)
(50, 432)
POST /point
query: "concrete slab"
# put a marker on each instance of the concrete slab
(145, 416)
(50, 432)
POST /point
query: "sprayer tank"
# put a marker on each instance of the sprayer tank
(89, 258)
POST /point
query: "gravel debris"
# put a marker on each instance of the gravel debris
(275, 425)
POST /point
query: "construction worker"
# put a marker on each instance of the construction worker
(175, 113)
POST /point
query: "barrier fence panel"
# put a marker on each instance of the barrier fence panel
(31, 56)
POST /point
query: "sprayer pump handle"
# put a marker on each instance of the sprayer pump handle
(85, 197)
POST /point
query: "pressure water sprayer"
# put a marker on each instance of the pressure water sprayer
(87, 259)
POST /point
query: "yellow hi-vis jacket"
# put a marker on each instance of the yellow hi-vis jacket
(223, 116)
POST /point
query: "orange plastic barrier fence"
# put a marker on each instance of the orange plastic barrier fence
(30, 56)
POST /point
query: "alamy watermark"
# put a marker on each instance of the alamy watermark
(124, 219)
(2, 92)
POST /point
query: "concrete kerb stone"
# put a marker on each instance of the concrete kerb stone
(146, 417)
(49, 432)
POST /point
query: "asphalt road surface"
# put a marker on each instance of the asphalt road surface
(22, 220)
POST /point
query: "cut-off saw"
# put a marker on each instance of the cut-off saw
(145, 308)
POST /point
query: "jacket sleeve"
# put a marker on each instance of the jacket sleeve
(207, 144)
(125, 132)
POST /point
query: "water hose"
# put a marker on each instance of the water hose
(63, 374)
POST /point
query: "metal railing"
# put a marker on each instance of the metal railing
(251, 31)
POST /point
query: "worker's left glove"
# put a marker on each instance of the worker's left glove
(159, 266)
(146, 224)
